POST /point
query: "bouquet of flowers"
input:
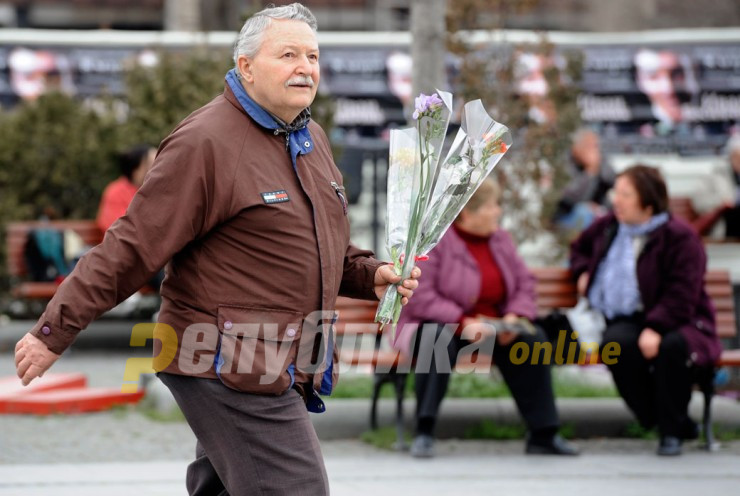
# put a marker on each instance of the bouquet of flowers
(424, 195)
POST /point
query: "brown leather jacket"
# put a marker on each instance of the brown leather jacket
(252, 246)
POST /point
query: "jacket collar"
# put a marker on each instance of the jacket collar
(253, 110)
(298, 139)
(612, 226)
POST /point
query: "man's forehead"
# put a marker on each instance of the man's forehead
(284, 43)
(282, 32)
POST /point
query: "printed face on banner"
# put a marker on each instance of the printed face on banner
(660, 75)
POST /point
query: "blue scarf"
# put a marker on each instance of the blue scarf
(615, 290)
(297, 137)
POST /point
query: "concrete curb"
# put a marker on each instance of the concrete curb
(598, 417)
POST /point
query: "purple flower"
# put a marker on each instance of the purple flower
(426, 103)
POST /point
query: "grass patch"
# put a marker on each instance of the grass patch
(362, 387)
(726, 434)
(574, 388)
(471, 385)
(121, 411)
(633, 430)
(476, 386)
(383, 438)
(568, 430)
(174, 415)
(487, 429)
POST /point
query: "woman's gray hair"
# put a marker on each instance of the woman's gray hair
(250, 37)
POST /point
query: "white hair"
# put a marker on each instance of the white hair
(582, 133)
(250, 37)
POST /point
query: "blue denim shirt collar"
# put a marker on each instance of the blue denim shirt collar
(298, 141)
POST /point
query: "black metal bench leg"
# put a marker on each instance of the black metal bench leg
(400, 383)
(707, 388)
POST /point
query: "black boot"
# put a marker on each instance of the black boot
(669, 446)
(554, 445)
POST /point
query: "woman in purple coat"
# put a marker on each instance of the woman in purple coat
(474, 271)
(644, 270)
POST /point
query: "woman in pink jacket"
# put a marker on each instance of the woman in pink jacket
(475, 271)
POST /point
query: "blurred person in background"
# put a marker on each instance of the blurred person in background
(717, 198)
(644, 270)
(585, 196)
(475, 271)
(732, 213)
(133, 165)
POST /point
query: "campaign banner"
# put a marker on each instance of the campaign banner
(642, 98)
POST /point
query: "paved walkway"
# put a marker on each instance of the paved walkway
(123, 452)
(608, 467)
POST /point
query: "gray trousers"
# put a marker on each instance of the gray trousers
(248, 444)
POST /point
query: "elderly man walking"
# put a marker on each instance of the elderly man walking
(246, 207)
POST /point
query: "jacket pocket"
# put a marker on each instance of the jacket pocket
(257, 348)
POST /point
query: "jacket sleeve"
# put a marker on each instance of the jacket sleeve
(582, 250)
(358, 278)
(521, 299)
(428, 304)
(174, 206)
(682, 284)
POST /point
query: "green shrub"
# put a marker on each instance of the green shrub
(55, 159)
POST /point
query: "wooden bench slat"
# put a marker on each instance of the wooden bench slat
(561, 301)
(35, 290)
(17, 234)
(730, 358)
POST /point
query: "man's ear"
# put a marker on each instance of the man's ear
(244, 65)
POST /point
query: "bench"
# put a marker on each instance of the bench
(16, 236)
(555, 290)
(41, 292)
(683, 208)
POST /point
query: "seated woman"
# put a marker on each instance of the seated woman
(645, 271)
(474, 271)
(134, 163)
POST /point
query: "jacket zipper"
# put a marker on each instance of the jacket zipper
(340, 193)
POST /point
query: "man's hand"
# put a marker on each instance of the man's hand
(582, 284)
(649, 343)
(32, 358)
(385, 275)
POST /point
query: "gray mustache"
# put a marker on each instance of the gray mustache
(300, 80)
